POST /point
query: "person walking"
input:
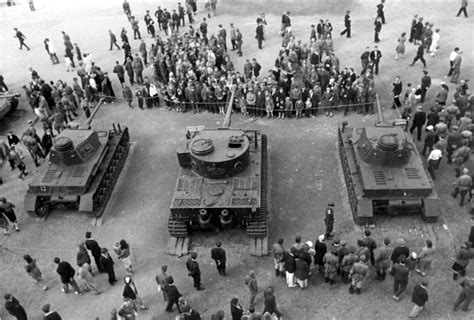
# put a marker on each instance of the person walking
(419, 119)
(463, 8)
(94, 248)
(14, 308)
(172, 293)
(425, 257)
(347, 25)
(138, 68)
(33, 271)
(270, 303)
(419, 55)
(219, 257)
(251, 282)
(419, 297)
(462, 260)
(466, 295)
(66, 273)
(194, 272)
(130, 292)
(162, 280)
(6, 208)
(107, 264)
(113, 41)
(375, 56)
(21, 38)
(87, 278)
(400, 275)
(122, 249)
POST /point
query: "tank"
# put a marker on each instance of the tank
(8, 102)
(222, 183)
(384, 172)
(84, 165)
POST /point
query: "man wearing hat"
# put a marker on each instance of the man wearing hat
(48, 314)
(419, 119)
(193, 271)
(430, 140)
(400, 273)
(329, 220)
(419, 297)
(107, 265)
(462, 260)
(14, 308)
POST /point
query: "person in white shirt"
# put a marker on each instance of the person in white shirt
(452, 56)
(434, 160)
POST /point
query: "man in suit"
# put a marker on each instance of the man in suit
(347, 24)
(218, 255)
(172, 293)
(419, 298)
(223, 34)
(66, 273)
(375, 56)
(107, 265)
(194, 272)
(419, 120)
(259, 35)
(94, 248)
(425, 84)
(50, 315)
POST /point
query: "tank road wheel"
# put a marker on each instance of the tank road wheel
(43, 209)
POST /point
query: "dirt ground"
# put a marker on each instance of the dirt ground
(304, 167)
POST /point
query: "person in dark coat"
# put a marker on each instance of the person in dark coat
(320, 248)
(419, 120)
(371, 245)
(270, 302)
(107, 265)
(419, 297)
(172, 294)
(375, 56)
(218, 255)
(130, 292)
(290, 267)
(94, 248)
(14, 308)
(329, 220)
(236, 309)
(347, 25)
(425, 84)
(466, 295)
(66, 273)
(377, 29)
(418, 31)
(190, 314)
(50, 315)
(259, 35)
(400, 250)
(193, 271)
(400, 273)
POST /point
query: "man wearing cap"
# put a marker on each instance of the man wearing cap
(329, 220)
(359, 272)
(418, 122)
(370, 244)
(466, 295)
(6, 208)
(430, 140)
(419, 297)
(400, 273)
(94, 248)
(462, 260)
(107, 265)
(218, 255)
(193, 271)
(48, 314)
(14, 308)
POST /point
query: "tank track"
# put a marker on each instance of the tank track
(109, 171)
(350, 185)
(177, 227)
(257, 226)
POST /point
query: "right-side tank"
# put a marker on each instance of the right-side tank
(384, 172)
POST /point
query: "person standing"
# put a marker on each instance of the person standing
(203, 28)
(270, 303)
(466, 295)
(364, 60)
(120, 71)
(236, 309)
(452, 56)
(412, 28)
(259, 35)
(130, 292)
(162, 280)
(107, 264)
(279, 257)
(400, 49)
(66, 273)
(239, 41)
(463, 8)
(329, 220)
(419, 120)
(347, 25)
(223, 34)
(380, 12)
(94, 248)
(370, 244)
(113, 41)
(397, 91)
(194, 272)
(6, 208)
(400, 275)
(33, 271)
(462, 260)
(290, 267)
(21, 38)
(138, 68)
(218, 255)
(331, 265)
(87, 278)
(375, 56)
(419, 297)
(456, 68)
(377, 29)
(251, 282)
(425, 84)
(462, 185)
(419, 55)
(233, 35)
(136, 28)
(172, 294)
(358, 273)
(14, 308)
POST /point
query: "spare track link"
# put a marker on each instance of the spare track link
(257, 226)
(349, 184)
(110, 172)
(177, 228)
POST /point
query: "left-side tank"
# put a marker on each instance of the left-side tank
(84, 165)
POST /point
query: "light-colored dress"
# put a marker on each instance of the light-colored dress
(435, 42)
(400, 49)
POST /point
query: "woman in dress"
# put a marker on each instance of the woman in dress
(400, 49)
(33, 271)
(122, 249)
(425, 257)
(434, 42)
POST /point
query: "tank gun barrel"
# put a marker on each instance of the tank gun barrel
(9, 95)
(379, 110)
(226, 123)
(88, 121)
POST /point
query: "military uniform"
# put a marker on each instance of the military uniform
(329, 220)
